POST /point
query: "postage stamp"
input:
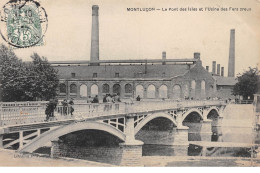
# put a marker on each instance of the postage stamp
(23, 23)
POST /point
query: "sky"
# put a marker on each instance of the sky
(144, 35)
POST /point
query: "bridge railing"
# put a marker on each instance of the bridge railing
(90, 109)
(152, 106)
(24, 112)
(244, 101)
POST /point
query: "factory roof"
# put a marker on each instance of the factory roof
(122, 71)
(221, 80)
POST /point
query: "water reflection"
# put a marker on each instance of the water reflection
(219, 134)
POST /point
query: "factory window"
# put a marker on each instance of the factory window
(62, 88)
(105, 88)
(94, 90)
(176, 92)
(73, 74)
(73, 88)
(94, 74)
(116, 89)
(203, 94)
(116, 74)
(193, 87)
(83, 90)
(139, 89)
(151, 91)
(163, 91)
(186, 91)
(128, 88)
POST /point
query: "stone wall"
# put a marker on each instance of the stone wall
(110, 155)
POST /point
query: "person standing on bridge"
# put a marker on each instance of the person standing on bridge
(117, 100)
(65, 107)
(51, 106)
(71, 108)
(138, 98)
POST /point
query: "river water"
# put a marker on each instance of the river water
(236, 129)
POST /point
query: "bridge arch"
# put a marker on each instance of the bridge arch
(190, 111)
(210, 109)
(151, 117)
(63, 130)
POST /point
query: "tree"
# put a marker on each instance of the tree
(247, 84)
(13, 71)
(44, 77)
(26, 81)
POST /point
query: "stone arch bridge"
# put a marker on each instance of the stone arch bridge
(122, 120)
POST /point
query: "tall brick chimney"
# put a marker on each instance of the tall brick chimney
(196, 55)
(207, 68)
(213, 67)
(222, 71)
(163, 58)
(218, 69)
(231, 61)
(94, 52)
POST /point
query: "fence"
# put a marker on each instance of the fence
(244, 101)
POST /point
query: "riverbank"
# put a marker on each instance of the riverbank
(198, 161)
(12, 159)
(9, 158)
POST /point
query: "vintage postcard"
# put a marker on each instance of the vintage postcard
(139, 83)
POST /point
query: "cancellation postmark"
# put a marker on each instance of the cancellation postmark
(23, 23)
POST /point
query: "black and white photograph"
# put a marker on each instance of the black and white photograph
(134, 83)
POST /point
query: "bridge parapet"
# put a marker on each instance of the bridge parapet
(34, 112)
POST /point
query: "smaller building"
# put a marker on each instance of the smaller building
(224, 86)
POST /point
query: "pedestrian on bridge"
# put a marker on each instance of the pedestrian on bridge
(138, 98)
(71, 108)
(116, 99)
(51, 106)
(65, 107)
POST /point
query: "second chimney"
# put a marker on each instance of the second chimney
(196, 55)
(222, 71)
(207, 68)
(231, 60)
(218, 69)
(163, 58)
(213, 67)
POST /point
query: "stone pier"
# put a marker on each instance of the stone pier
(55, 150)
(206, 130)
(181, 136)
(131, 148)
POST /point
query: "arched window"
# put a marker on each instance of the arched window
(73, 89)
(94, 90)
(176, 92)
(105, 88)
(62, 88)
(139, 89)
(193, 89)
(203, 95)
(83, 90)
(128, 88)
(203, 85)
(186, 91)
(116, 89)
(151, 91)
(163, 91)
(193, 84)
